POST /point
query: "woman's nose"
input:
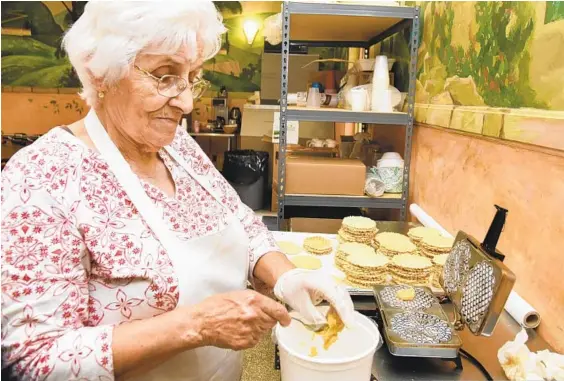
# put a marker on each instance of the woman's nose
(184, 101)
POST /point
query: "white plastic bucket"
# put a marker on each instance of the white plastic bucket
(349, 358)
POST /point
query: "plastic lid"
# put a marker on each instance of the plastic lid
(316, 85)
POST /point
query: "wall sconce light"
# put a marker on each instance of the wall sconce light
(250, 27)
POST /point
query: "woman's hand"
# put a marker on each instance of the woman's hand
(237, 320)
(303, 289)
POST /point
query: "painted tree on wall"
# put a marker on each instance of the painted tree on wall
(487, 41)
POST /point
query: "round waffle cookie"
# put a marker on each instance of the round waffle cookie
(289, 248)
(348, 248)
(418, 233)
(317, 245)
(357, 229)
(435, 245)
(392, 244)
(410, 269)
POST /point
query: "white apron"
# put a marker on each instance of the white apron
(204, 266)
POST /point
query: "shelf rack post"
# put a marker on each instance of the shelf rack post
(413, 48)
(285, 61)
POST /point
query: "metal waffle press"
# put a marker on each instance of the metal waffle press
(475, 280)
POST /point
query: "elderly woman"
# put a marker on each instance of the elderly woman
(125, 253)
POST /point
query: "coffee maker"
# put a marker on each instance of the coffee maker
(220, 109)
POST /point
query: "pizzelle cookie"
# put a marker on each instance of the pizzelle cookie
(318, 245)
(392, 244)
(418, 233)
(289, 248)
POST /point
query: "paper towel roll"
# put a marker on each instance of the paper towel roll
(522, 311)
(516, 306)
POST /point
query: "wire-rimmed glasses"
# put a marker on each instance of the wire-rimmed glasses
(171, 86)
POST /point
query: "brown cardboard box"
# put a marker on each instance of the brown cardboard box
(327, 176)
(315, 225)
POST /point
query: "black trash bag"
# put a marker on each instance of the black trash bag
(245, 167)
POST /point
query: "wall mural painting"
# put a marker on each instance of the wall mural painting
(498, 54)
(31, 43)
(493, 68)
(32, 54)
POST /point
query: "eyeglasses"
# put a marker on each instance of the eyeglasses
(171, 86)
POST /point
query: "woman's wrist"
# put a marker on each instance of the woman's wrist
(190, 327)
(271, 266)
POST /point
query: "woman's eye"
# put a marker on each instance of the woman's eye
(161, 71)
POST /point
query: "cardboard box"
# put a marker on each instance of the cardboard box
(315, 225)
(327, 176)
(259, 121)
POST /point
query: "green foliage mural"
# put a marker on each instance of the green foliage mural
(31, 43)
(486, 47)
(554, 11)
(32, 56)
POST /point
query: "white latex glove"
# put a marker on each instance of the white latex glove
(303, 289)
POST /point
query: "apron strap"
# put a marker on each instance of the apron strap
(128, 180)
(205, 183)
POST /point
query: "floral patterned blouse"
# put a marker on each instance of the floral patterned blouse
(77, 258)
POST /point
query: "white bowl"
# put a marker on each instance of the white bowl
(349, 358)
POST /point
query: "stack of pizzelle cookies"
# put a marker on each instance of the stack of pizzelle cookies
(360, 263)
(435, 245)
(410, 269)
(318, 245)
(418, 233)
(365, 271)
(350, 248)
(357, 229)
(438, 265)
(392, 244)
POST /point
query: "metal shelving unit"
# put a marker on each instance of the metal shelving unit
(344, 25)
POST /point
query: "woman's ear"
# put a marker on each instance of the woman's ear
(98, 82)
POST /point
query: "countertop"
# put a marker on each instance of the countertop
(259, 361)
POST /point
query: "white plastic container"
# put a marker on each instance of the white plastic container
(349, 358)
(387, 163)
(358, 98)
(391, 155)
(313, 98)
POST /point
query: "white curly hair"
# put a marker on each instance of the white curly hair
(103, 43)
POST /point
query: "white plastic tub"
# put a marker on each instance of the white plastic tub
(349, 358)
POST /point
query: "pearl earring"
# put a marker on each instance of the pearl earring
(101, 94)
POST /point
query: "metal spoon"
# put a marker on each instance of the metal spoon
(315, 327)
